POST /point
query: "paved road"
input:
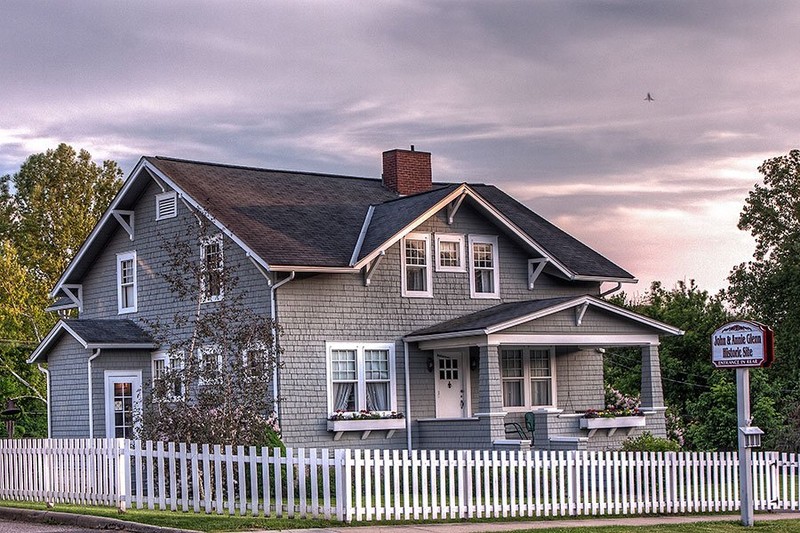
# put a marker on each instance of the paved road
(28, 527)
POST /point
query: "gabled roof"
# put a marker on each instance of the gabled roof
(321, 222)
(506, 315)
(94, 334)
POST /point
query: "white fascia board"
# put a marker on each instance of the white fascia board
(447, 335)
(182, 194)
(666, 328)
(557, 339)
(108, 214)
(326, 270)
(606, 279)
(360, 241)
(412, 225)
(51, 337)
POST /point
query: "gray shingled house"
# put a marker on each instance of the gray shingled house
(451, 303)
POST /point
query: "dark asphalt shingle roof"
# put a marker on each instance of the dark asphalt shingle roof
(492, 316)
(94, 331)
(315, 220)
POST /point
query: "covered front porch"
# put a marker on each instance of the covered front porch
(542, 358)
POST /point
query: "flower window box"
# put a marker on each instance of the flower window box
(366, 426)
(612, 424)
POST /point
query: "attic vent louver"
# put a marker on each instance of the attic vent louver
(166, 205)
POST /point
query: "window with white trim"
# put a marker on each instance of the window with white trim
(126, 282)
(209, 365)
(450, 253)
(528, 377)
(255, 362)
(211, 264)
(361, 377)
(166, 366)
(484, 269)
(415, 251)
(166, 205)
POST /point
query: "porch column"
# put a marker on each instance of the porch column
(653, 391)
(490, 395)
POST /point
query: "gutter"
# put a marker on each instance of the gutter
(408, 397)
(91, 407)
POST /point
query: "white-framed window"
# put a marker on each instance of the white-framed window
(450, 253)
(209, 360)
(164, 363)
(528, 377)
(361, 377)
(415, 252)
(484, 267)
(255, 361)
(126, 282)
(211, 264)
(166, 205)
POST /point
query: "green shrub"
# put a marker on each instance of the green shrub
(646, 442)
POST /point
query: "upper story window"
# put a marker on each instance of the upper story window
(166, 205)
(211, 264)
(361, 377)
(528, 377)
(450, 253)
(484, 280)
(126, 282)
(415, 251)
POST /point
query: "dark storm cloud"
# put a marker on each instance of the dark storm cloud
(543, 98)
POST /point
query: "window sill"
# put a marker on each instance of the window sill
(366, 426)
(612, 424)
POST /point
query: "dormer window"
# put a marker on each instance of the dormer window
(484, 279)
(166, 205)
(415, 251)
(126, 282)
(211, 262)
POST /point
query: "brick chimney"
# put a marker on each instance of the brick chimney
(407, 171)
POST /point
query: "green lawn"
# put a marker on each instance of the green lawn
(212, 523)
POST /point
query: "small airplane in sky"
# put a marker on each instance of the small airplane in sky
(649, 98)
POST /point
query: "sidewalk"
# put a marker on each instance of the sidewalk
(488, 527)
(94, 522)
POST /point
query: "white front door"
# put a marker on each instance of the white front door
(451, 394)
(123, 402)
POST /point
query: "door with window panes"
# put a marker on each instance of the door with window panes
(123, 402)
(451, 395)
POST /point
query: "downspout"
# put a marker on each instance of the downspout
(91, 407)
(46, 373)
(408, 397)
(273, 310)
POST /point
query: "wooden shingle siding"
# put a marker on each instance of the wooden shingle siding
(320, 308)
(69, 397)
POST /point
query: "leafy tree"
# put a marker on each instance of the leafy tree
(686, 368)
(217, 387)
(767, 288)
(46, 211)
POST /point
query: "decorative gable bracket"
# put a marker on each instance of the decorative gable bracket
(452, 208)
(74, 293)
(125, 219)
(579, 312)
(370, 269)
(535, 267)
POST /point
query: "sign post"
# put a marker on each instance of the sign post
(744, 345)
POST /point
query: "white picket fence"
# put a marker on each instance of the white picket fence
(375, 485)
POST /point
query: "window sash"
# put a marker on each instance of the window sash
(483, 266)
(450, 253)
(361, 377)
(126, 282)
(416, 265)
(527, 377)
(212, 267)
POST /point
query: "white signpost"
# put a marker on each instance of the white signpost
(744, 345)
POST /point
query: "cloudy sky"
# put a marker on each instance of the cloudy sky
(542, 98)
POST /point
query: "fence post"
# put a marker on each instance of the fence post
(120, 445)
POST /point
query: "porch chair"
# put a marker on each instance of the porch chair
(530, 424)
(515, 431)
